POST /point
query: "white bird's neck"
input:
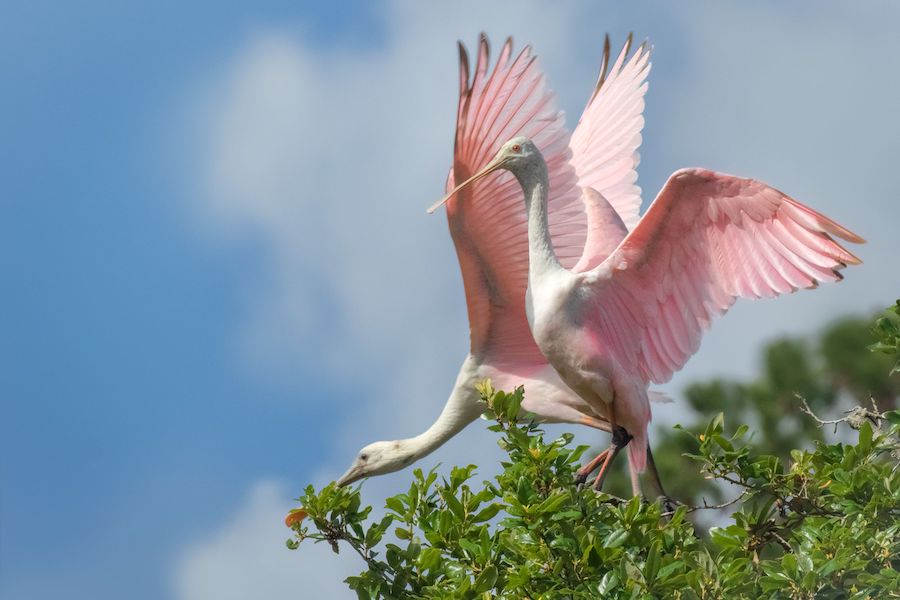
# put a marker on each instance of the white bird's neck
(535, 184)
(462, 408)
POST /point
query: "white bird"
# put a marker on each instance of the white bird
(637, 317)
(489, 230)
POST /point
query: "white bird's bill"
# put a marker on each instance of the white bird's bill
(352, 475)
(487, 170)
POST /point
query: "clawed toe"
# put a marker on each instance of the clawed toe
(669, 504)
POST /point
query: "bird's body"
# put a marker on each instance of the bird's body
(561, 305)
(637, 317)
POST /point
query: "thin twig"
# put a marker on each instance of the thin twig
(781, 541)
(805, 408)
(689, 508)
(854, 418)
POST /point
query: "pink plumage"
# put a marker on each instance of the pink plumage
(486, 221)
(613, 310)
(708, 239)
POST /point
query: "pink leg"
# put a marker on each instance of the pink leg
(611, 453)
(582, 474)
(620, 439)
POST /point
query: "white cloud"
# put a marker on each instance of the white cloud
(329, 159)
(247, 559)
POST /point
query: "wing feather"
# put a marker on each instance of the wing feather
(487, 220)
(708, 239)
(605, 143)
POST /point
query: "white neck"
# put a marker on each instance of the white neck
(462, 408)
(535, 184)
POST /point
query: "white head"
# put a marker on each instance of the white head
(517, 152)
(378, 458)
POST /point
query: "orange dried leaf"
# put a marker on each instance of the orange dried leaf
(295, 516)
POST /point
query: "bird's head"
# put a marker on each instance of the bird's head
(515, 152)
(377, 458)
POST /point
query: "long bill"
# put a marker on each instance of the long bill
(352, 475)
(487, 170)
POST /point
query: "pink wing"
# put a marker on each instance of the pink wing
(707, 239)
(488, 220)
(605, 231)
(605, 143)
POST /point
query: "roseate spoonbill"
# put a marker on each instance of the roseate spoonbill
(490, 232)
(636, 318)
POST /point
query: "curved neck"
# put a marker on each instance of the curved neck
(462, 408)
(536, 184)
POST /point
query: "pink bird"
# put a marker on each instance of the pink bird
(637, 316)
(490, 232)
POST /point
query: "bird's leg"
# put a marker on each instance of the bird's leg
(636, 483)
(620, 439)
(669, 504)
(582, 474)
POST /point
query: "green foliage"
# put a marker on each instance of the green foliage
(824, 370)
(887, 331)
(823, 524)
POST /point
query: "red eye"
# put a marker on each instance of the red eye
(516, 148)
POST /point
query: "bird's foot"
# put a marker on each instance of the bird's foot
(669, 504)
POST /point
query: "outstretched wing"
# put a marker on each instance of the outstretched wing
(605, 143)
(707, 239)
(487, 220)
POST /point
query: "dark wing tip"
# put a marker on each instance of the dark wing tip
(463, 68)
(604, 67)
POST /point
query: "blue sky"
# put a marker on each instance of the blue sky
(210, 300)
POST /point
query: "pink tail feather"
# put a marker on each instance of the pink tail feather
(637, 452)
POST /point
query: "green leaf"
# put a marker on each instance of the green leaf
(486, 579)
(865, 438)
(669, 569)
(486, 514)
(567, 515)
(393, 503)
(524, 490)
(616, 538)
(514, 405)
(453, 504)
(429, 558)
(552, 503)
(651, 566)
(608, 583)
